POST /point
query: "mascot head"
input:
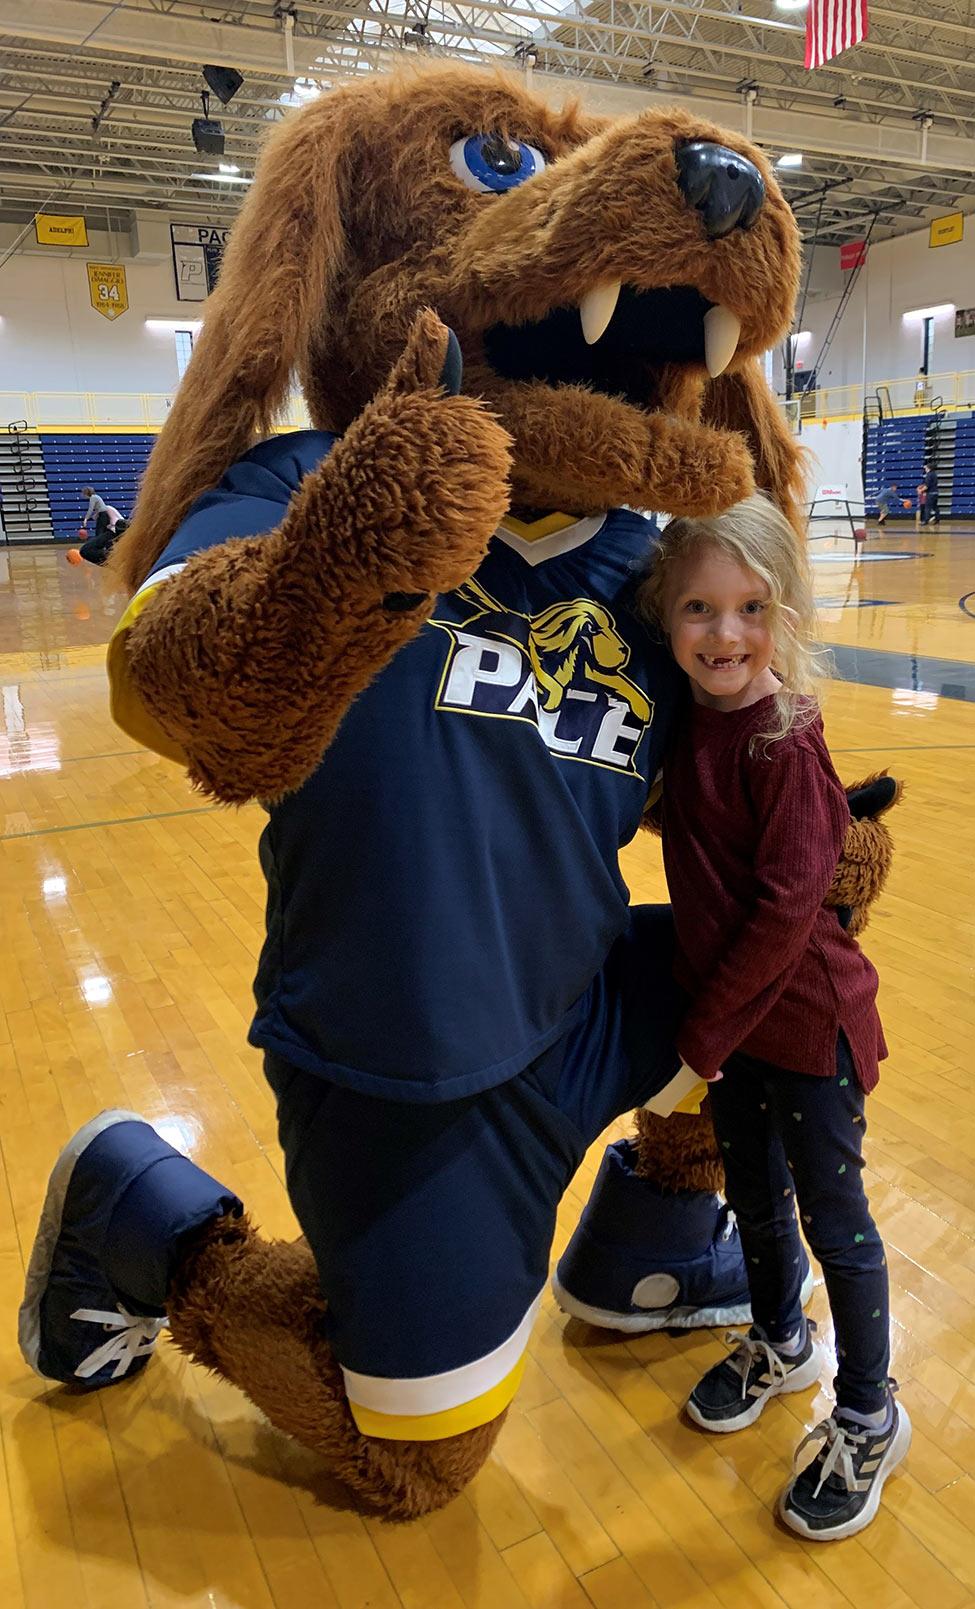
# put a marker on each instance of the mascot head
(595, 270)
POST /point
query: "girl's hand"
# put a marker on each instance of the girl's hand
(703, 1077)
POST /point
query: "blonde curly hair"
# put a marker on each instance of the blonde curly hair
(755, 535)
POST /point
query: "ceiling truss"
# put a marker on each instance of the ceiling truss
(59, 59)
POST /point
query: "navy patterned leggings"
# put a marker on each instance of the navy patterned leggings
(787, 1138)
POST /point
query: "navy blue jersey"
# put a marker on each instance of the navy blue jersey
(445, 886)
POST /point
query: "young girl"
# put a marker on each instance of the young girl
(782, 1017)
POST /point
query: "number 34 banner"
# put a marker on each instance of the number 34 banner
(109, 292)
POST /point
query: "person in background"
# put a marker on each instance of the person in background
(932, 513)
(98, 547)
(781, 1015)
(98, 510)
(109, 526)
(887, 497)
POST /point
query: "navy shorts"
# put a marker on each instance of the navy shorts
(432, 1225)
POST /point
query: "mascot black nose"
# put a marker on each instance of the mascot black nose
(725, 188)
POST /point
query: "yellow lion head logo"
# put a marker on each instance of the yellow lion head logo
(562, 670)
(579, 638)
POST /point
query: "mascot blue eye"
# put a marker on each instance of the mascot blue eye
(489, 162)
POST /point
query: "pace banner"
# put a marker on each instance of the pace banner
(197, 258)
(947, 230)
(108, 289)
(56, 229)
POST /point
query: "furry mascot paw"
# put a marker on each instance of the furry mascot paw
(315, 620)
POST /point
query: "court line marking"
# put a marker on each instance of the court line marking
(903, 748)
(209, 810)
(36, 672)
(121, 821)
(888, 653)
(115, 754)
(963, 603)
(865, 558)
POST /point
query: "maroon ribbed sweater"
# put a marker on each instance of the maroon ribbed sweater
(751, 843)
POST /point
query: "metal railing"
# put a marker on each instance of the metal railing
(110, 410)
(147, 410)
(912, 394)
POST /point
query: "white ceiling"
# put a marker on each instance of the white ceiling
(857, 122)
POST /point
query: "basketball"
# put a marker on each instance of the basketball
(859, 533)
(73, 556)
(906, 503)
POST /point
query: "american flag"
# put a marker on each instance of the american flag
(832, 26)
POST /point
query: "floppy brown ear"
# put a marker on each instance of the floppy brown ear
(281, 260)
(744, 401)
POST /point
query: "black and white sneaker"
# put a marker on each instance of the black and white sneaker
(838, 1493)
(733, 1393)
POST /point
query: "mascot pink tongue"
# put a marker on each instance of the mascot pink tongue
(410, 632)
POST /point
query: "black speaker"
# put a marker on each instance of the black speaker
(224, 81)
(208, 136)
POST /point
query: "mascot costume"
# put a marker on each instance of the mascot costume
(410, 634)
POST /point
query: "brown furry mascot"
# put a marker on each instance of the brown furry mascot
(410, 632)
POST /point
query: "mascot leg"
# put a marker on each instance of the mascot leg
(249, 1309)
(656, 1248)
(132, 1230)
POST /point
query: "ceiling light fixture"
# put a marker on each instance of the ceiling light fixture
(791, 159)
(915, 315)
(791, 5)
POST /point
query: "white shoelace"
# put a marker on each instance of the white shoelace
(745, 1349)
(134, 1336)
(841, 1444)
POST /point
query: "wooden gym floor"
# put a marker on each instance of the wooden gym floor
(131, 917)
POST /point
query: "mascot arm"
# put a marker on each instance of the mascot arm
(680, 466)
(244, 664)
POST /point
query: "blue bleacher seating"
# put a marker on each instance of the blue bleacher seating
(113, 464)
(895, 452)
(897, 449)
(963, 489)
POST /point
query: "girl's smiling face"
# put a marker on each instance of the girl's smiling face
(718, 625)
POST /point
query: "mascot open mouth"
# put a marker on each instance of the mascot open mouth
(617, 340)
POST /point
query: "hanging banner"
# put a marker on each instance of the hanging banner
(54, 229)
(108, 289)
(197, 258)
(947, 230)
(965, 320)
(853, 254)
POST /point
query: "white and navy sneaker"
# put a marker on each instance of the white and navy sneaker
(733, 1393)
(838, 1493)
(74, 1325)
